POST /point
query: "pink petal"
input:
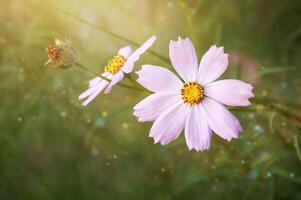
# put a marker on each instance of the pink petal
(183, 57)
(96, 80)
(89, 91)
(156, 79)
(129, 64)
(94, 84)
(154, 105)
(220, 120)
(170, 124)
(99, 88)
(125, 51)
(230, 92)
(213, 64)
(197, 131)
(115, 79)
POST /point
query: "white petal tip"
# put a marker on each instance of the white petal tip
(201, 149)
(154, 37)
(107, 90)
(82, 96)
(180, 38)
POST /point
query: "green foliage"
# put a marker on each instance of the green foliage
(53, 148)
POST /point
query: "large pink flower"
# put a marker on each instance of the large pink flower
(196, 102)
(114, 71)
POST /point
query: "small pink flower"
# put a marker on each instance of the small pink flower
(114, 71)
(194, 102)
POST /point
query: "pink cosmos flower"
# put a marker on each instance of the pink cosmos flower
(114, 70)
(196, 101)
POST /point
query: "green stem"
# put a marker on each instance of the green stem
(266, 100)
(296, 144)
(284, 174)
(135, 83)
(92, 72)
(103, 29)
(281, 107)
(189, 20)
(130, 78)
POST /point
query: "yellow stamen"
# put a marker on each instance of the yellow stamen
(192, 93)
(53, 52)
(115, 64)
(61, 54)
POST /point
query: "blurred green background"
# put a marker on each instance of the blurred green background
(53, 148)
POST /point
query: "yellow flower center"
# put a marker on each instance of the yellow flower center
(192, 93)
(115, 64)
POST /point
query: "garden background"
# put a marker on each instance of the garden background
(51, 147)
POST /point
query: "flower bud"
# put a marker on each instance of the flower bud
(61, 55)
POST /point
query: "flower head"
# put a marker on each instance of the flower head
(122, 63)
(61, 54)
(196, 102)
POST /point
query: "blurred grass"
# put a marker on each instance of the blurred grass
(52, 148)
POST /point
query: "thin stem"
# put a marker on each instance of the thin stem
(88, 70)
(135, 83)
(189, 20)
(264, 100)
(296, 145)
(277, 105)
(131, 79)
(284, 174)
(130, 87)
